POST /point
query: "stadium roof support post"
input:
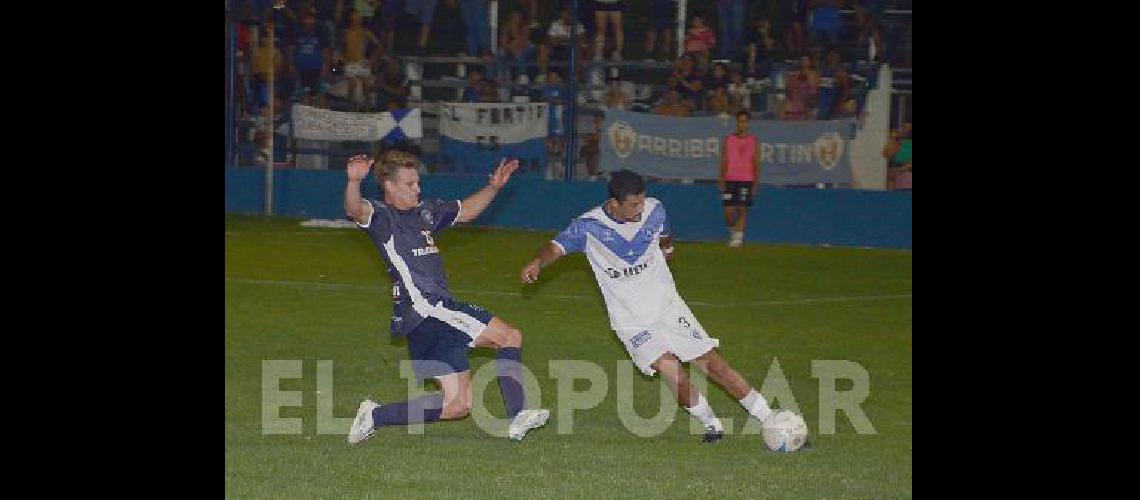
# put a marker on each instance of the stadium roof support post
(572, 132)
(680, 31)
(269, 118)
(231, 109)
(461, 72)
(493, 13)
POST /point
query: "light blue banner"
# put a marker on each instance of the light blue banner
(791, 152)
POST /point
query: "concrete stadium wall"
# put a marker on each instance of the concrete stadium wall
(839, 217)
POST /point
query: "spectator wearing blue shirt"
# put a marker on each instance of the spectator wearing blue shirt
(825, 23)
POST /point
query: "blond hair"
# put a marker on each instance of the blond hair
(391, 160)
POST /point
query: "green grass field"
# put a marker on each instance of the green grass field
(310, 294)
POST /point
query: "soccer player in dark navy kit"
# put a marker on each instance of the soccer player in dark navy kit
(440, 330)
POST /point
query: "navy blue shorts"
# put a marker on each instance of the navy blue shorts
(438, 346)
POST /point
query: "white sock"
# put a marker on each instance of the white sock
(756, 405)
(704, 413)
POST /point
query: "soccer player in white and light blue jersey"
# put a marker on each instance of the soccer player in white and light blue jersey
(628, 242)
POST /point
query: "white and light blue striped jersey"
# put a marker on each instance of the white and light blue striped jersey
(627, 261)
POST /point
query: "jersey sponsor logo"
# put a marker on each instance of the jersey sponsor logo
(683, 321)
(420, 252)
(626, 272)
(428, 250)
(639, 339)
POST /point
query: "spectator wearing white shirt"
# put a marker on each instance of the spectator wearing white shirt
(557, 43)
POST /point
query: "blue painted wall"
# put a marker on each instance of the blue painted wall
(840, 217)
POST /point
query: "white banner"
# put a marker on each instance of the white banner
(510, 123)
(326, 125)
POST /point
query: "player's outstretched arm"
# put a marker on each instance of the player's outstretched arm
(476, 203)
(546, 255)
(355, 206)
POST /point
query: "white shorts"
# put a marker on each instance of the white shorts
(357, 69)
(676, 331)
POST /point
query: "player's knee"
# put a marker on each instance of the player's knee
(456, 410)
(667, 365)
(512, 337)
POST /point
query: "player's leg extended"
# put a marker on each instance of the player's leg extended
(675, 378)
(673, 373)
(715, 367)
(456, 388)
(453, 402)
(427, 408)
(507, 342)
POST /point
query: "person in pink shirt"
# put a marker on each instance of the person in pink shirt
(739, 177)
(699, 40)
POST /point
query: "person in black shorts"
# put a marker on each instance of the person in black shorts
(556, 46)
(608, 10)
(739, 176)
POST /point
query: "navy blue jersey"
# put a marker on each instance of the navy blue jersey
(405, 241)
(309, 45)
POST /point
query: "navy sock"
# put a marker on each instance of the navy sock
(426, 408)
(510, 379)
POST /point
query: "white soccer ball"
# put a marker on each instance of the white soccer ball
(784, 431)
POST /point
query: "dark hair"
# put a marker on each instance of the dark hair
(745, 113)
(625, 183)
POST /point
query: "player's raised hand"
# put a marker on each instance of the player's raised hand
(358, 167)
(503, 172)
